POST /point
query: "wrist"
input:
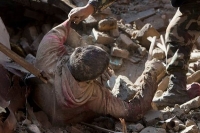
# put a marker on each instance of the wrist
(89, 8)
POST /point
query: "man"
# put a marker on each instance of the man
(181, 34)
(73, 94)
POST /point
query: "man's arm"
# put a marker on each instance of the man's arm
(80, 13)
(99, 5)
(51, 47)
(135, 109)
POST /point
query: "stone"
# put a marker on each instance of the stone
(135, 127)
(30, 58)
(158, 54)
(153, 130)
(152, 117)
(107, 24)
(92, 21)
(101, 37)
(124, 41)
(157, 22)
(114, 32)
(144, 33)
(118, 52)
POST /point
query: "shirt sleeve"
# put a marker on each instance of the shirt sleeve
(99, 5)
(51, 48)
(103, 102)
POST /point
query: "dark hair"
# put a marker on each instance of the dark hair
(88, 62)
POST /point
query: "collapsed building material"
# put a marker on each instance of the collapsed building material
(23, 63)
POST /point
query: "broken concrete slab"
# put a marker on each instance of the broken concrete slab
(118, 52)
(144, 33)
(101, 37)
(153, 130)
(157, 22)
(130, 17)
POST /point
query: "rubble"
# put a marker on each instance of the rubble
(125, 31)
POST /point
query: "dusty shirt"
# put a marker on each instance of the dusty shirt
(63, 98)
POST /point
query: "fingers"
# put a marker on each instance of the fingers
(110, 71)
(76, 15)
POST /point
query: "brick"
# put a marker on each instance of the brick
(118, 52)
(139, 24)
(158, 54)
(123, 41)
(146, 31)
(102, 38)
(114, 32)
(135, 127)
(152, 117)
(92, 21)
(107, 24)
(87, 40)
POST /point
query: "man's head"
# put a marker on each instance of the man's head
(87, 63)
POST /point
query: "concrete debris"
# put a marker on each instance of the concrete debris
(125, 31)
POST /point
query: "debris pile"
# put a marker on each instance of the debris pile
(131, 32)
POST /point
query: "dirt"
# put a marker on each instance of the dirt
(35, 121)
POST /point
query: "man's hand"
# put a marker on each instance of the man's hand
(108, 74)
(78, 14)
